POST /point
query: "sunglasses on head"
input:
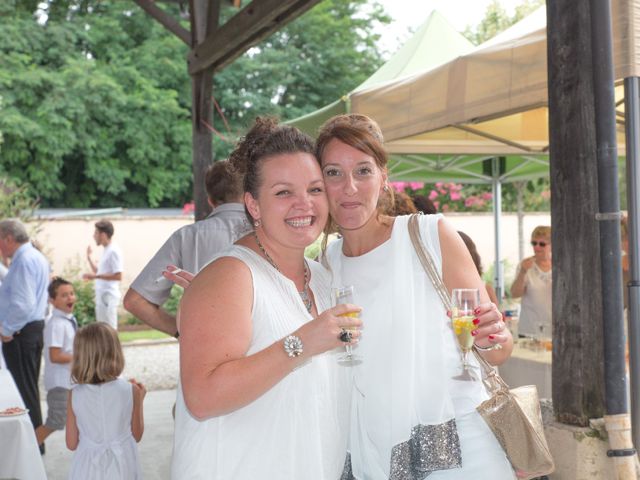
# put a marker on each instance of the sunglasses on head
(535, 243)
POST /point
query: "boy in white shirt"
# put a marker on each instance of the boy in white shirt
(107, 274)
(59, 332)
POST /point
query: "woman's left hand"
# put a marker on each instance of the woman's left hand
(490, 327)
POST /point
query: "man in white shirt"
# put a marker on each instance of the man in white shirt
(191, 247)
(107, 274)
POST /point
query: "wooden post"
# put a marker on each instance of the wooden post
(577, 380)
(204, 15)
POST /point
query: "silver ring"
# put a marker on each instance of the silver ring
(345, 336)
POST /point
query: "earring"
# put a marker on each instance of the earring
(257, 223)
(385, 188)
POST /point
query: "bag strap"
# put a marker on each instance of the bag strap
(495, 381)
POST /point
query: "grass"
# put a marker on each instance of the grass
(141, 335)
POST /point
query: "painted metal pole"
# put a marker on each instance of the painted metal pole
(617, 418)
(632, 124)
(497, 214)
(609, 208)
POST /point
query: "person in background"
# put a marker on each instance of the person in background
(471, 246)
(59, 332)
(190, 248)
(399, 204)
(104, 412)
(107, 274)
(424, 205)
(23, 304)
(626, 274)
(533, 284)
(411, 414)
(3, 273)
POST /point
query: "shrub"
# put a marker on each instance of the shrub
(85, 302)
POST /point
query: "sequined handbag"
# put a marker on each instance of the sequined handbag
(513, 415)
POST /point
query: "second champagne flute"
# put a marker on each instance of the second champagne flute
(345, 295)
(465, 301)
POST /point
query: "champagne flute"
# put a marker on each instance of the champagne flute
(465, 301)
(345, 295)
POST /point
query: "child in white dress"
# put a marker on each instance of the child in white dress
(104, 412)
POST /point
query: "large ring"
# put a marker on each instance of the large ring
(345, 336)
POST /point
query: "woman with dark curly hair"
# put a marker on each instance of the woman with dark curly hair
(261, 393)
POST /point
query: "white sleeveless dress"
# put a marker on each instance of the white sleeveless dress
(107, 449)
(296, 430)
(411, 418)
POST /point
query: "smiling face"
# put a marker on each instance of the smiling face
(354, 183)
(291, 203)
(65, 298)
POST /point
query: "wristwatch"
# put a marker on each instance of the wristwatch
(293, 346)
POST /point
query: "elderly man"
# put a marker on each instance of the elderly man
(190, 248)
(23, 296)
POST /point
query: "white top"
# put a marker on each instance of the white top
(404, 385)
(110, 262)
(294, 431)
(107, 449)
(59, 331)
(535, 307)
(191, 248)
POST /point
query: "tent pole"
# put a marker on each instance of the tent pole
(632, 124)
(617, 418)
(497, 211)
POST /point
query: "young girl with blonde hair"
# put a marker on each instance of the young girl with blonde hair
(104, 412)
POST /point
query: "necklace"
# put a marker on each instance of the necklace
(304, 294)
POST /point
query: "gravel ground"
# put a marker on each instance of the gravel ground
(154, 364)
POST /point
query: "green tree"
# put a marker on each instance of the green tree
(306, 65)
(82, 125)
(496, 20)
(97, 97)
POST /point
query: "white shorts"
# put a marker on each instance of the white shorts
(107, 308)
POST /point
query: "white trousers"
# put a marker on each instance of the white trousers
(107, 308)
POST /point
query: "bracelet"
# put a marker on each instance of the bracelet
(495, 346)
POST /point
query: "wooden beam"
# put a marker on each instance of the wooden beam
(166, 20)
(248, 27)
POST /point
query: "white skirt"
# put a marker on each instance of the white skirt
(482, 456)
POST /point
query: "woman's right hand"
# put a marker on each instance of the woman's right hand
(323, 332)
(527, 263)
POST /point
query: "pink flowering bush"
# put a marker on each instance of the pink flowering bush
(188, 208)
(404, 186)
(453, 197)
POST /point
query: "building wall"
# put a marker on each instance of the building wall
(65, 241)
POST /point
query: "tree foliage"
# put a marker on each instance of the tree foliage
(96, 95)
(496, 20)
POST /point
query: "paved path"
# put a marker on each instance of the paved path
(155, 365)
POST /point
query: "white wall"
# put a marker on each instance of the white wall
(65, 241)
